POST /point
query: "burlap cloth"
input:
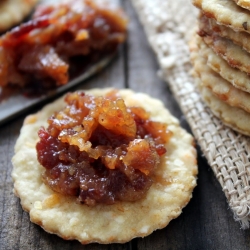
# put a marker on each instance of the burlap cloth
(169, 25)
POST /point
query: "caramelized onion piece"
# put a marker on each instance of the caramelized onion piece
(114, 116)
(141, 155)
(44, 62)
(99, 150)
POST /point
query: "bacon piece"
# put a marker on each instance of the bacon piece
(42, 48)
(44, 62)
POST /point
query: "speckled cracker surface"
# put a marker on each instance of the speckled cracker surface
(239, 38)
(228, 103)
(225, 12)
(234, 117)
(123, 221)
(233, 54)
(14, 11)
(220, 87)
(236, 77)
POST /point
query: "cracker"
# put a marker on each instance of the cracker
(233, 117)
(226, 13)
(236, 77)
(233, 54)
(240, 38)
(221, 88)
(61, 215)
(243, 3)
(13, 12)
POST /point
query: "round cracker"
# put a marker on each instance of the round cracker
(243, 3)
(13, 12)
(235, 118)
(233, 54)
(226, 13)
(224, 90)
(240, 38)
(61, 215)
(236, 77)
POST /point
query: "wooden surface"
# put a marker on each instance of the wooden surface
(206, 222)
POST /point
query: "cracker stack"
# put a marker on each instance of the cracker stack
(221, 58)
(227, 152)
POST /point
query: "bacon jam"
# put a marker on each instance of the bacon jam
(43, 48)
(100, 150)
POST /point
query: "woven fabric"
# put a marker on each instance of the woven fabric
(169, 26)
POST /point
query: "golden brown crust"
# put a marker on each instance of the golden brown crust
(233, 54)
(210, 26)
(227, 13)
(220, 87)
(243, 3)
(236, 77)
(226, 102)
(122, 221)
(233, 117)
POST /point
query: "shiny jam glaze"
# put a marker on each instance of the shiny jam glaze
(99, 150)
(42, 49)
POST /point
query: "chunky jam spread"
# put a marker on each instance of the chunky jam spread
(44, 48)
(99, 150)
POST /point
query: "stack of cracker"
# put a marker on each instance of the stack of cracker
(221, 58)
(227, 152)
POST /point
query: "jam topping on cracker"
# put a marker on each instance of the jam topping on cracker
(46, 48)
(100, 150)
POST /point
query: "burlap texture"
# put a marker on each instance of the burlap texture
(169, 26)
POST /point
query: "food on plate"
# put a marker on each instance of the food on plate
(43, 50)
(104, 166)
(12, 12)
(221, 61)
